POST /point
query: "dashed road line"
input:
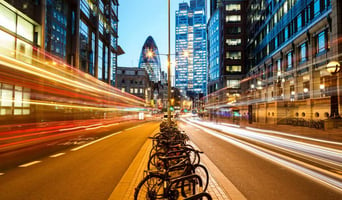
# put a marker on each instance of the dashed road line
(92, 128)
(56, 155)
(30, 163)
(85, 145)
(2, 174)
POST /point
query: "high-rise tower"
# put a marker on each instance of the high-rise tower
(191, 53)
(149, 59)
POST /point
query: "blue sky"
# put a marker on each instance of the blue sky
(137, 20)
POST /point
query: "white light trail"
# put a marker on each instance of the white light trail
(295, 136)
(324, 154)
(279, 159)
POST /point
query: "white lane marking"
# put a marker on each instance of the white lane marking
(130, 128)
(30, 163)
(57, 155)
(2, 174)
(80, 147)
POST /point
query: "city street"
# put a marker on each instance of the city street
(254, 86)
(87, 171)
(255, 172)
(92, 167)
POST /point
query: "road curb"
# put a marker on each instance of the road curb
(222, 187)
(134, 174)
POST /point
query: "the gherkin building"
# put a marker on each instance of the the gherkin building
(149, 59)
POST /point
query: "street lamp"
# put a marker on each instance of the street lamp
(150, 54)
(333, 68)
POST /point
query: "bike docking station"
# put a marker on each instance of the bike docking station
(173, 168)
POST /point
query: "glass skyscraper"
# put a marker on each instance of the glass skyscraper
(149, 59)
(191, 49)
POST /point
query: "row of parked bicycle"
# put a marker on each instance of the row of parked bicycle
(319, 124)
(173, 170)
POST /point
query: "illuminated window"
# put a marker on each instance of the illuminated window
(7, 18)
(233, 68)
(322, 42)
(85, 7)
(233, 42)
(25, 29)
(83, 46)
(233, 18)
(316, 7)
(233, 55)
(299, 21)
(7, 44)
(279, 67)
(122, 89)
(100, 60)
(286, 32)
(6, 95)
(285, 7)
(233, 83)
(289, 61)
(131, 90)
(105, 63)
(303, 52)
(233, 7)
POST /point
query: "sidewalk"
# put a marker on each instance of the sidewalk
(220, 188)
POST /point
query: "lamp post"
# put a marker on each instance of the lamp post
(333, 68)
(168, 68)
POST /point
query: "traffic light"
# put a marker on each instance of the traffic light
(172, 101)
(171, 108)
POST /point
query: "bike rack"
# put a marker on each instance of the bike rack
(199, 196)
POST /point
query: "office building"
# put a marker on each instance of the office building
(226, 44)
(80, 33)
(149, 59)
(135, 81)
(288, 45)
(191, 52)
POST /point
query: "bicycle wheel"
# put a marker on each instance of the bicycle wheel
(151, 188)
(154, 163)
(203, 173)
(192, 187)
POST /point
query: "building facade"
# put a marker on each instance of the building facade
(191, 52)
(149, 59)
(135, 81)
(289, 44)
(80, 34)
(226, 44)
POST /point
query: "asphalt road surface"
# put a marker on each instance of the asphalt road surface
(255, 176)
(87, 171)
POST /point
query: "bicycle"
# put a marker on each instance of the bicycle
(161, 185)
